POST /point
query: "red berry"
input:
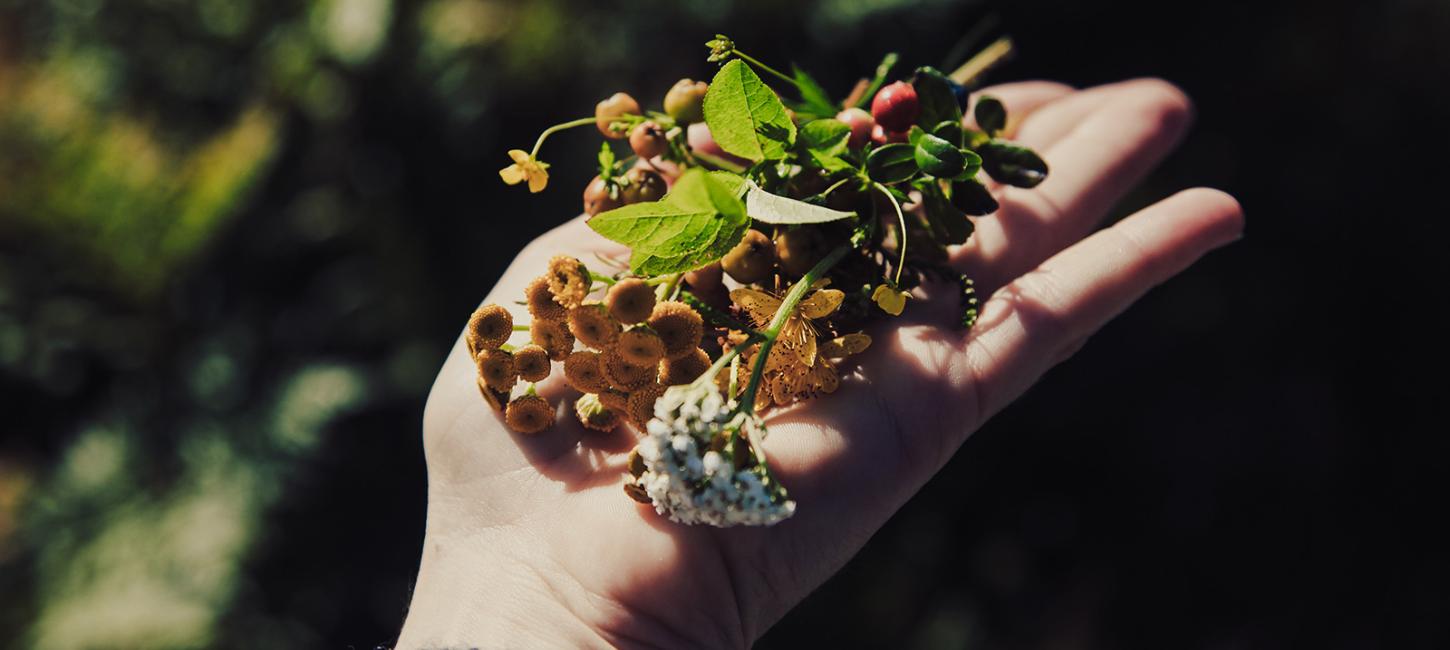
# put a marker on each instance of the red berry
(648, 140)
(616, 105)
(882, 136)
(597, 199)
(861, 124)
(895, 106)
(698, 135)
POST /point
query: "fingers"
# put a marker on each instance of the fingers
(1117, 135)
(1044, 316)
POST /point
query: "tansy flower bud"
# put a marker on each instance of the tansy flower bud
(637, 493)
(552, 336)
(496, 367)
(614, 400)
(594, 415)
(623, 375)
(581, 370)
(636, 464)
(541, 301)
(641, 405)
(532, 363)
(630, 301)
(685, 369)
(641, 346)
(489, 327)
(593, 326)
(568, 280)
(490, 396)
(679, 326)
(529, 414)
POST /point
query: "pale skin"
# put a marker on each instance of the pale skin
(531, 541)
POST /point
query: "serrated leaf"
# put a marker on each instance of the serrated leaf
(773, 208)
(1012, 164)
(892, 163)
(991, 114)
(937, 99)
(699, 221)
(745, 116)
(825, 136)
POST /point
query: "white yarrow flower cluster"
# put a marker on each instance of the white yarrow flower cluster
(692, 484)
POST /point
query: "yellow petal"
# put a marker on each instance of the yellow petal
(513, 174)
(537, 181)
(518, 156)
(844, 346)
(822, 303)
(890, 300)
(760, 305)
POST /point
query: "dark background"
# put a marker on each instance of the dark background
(237, 238)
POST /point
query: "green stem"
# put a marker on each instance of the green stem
(668, 287)
(597, 277)
(994, 54)
(555, 129)
(521, 328)
(901, 218)
(787, 307)
(762, 66)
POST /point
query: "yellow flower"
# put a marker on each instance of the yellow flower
(799, 365)
(890, 299)
(525, 168)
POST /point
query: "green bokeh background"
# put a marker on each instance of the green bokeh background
(237, 238)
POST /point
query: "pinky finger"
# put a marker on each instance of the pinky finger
(1044, 316)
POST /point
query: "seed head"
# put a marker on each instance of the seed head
(552, 336)
(688, 368)
(630, 301)
(593, 325)
(594, 415)
(614, 400)
(623, 375)
(529, 413)
(568, 280)
(489, 327)
(532, 363)
(641, 405)
(641, 346)
(496, 367)
(679, 326)
(541, 301)
(581, 370)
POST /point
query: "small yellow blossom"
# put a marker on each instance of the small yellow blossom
(525, 168)
(890, 299)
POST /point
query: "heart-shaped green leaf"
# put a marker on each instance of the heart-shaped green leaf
(1012, 164)
(991, 114)
(938, 101)
(938, 157)
(892, 163)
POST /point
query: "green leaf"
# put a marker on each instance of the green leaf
(938, 157)
(951, 132)
(1012, 164)
(733, 182)
(938, 101)
(773, 208)
(826, 137)
(814, 99)
(745, 116)
(892, 163)
(972, 197)
(948, 224)
(699, 221)
(991, 114)
(882, 70)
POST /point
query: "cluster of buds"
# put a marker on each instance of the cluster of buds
(697, 463)
(620, 352)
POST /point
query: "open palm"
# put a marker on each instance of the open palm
(531, 540)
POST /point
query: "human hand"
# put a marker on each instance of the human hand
(530, 540)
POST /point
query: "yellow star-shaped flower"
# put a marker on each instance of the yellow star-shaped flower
(525, 168)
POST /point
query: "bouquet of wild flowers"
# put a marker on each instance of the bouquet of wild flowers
(800, 203)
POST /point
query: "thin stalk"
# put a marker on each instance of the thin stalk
(555, 129)
(751, 60)
(901, 218)
(787, 307)
(521, 328)
(599, 277)
(668, 287)
(995, 54)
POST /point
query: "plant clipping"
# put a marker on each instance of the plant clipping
(766, 232)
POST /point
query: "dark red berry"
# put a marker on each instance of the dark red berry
(642, 185)
(882, 136)
(895, 106)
